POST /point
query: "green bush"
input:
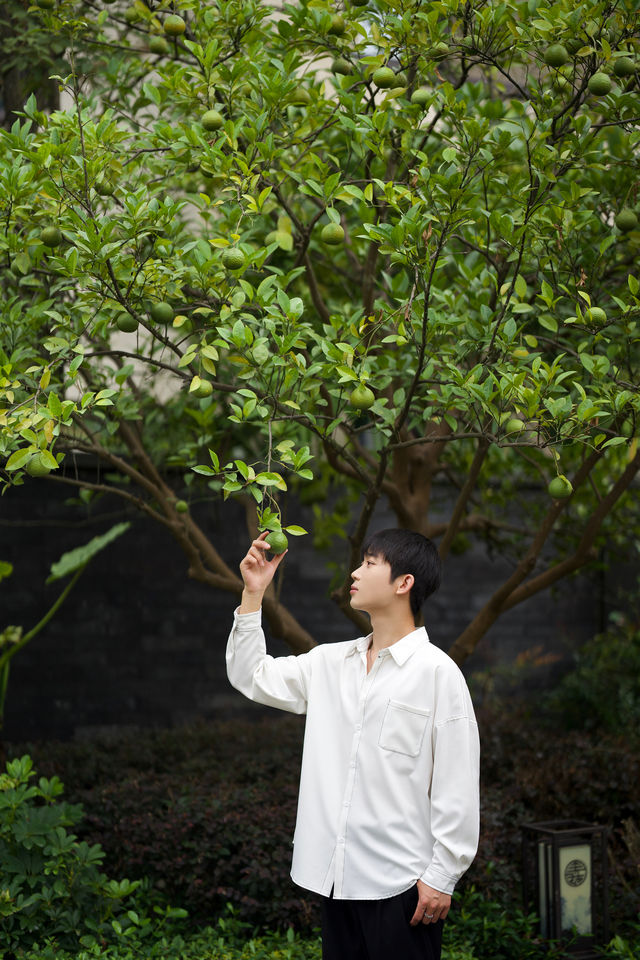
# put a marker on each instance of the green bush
(602, 691)
(207, 812)
(52, 885)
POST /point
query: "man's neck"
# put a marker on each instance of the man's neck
(389, 627)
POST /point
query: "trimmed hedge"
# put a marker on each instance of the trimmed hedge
(207, 812)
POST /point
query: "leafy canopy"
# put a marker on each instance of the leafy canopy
(474, 278)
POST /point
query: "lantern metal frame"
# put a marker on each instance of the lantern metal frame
(544, 846)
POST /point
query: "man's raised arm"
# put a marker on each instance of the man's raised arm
(277, 682)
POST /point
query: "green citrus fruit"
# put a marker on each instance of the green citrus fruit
(600, 84)
(362, 397)
(556, 55)
(36, 466)
(332, 233)
(626, 220)
(300, 97)
(277, 541)
(514, 425)
(204, 389)
(233, 258)
(624, 67)
(174, 25)
(337, 26)
(560, 487)
(182, 506)
(595, 316)
(212, 120)
(421, 96)
(103, 186)
(161, 312)
(51, 236)
(158, 45)
(439, 51)
(384, 77)
(341, 66)
(131, 15)
(126, 323)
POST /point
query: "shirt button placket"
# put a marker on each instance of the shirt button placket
(351, 780)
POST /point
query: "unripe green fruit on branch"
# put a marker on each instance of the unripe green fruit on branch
(421, 96)
(203, 390)
(515, 425)
(277, 541)
(624, 67)
(337, 26)
(556, 55)
(174, 25)
(362, 397)
(384, 77)
(182, 506)
(36, 466)
(161, 312)
(332, 233)
(233, 259)
(341, 66)
(595, 316)
(600, 84)
(51, 236)
(560, 487)
(626, 220)
(126, 323)
(212, 120)
(158, 45)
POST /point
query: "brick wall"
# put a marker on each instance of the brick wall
(138, 643)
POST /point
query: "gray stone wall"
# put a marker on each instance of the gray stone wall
(137, 643)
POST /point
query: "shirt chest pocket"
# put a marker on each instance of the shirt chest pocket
(403, 728)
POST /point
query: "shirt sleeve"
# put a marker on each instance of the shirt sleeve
(281, 682)
(455, 800)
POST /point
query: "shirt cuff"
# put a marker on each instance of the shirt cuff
(255, 615)
(438, 881)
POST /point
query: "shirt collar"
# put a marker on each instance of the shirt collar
(400, 651)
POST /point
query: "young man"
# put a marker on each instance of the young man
(388, 805)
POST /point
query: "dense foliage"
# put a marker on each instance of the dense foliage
(52, 885)
(207, 812)
(340, 245)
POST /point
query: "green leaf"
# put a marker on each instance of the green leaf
(18, 459)
(80, 556)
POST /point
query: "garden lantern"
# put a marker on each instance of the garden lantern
(565, 882)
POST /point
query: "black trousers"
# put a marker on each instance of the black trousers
(378, 930)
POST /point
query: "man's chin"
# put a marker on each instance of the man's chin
(356, 604)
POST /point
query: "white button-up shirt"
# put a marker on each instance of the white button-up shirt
(389, 777)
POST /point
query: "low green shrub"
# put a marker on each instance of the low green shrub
(602, 690)
(207, 812)
(51, 884)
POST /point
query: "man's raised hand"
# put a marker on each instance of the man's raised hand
(257, 573)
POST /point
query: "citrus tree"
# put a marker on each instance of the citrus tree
(361, 246)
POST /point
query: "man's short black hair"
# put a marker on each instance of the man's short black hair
(408, 552)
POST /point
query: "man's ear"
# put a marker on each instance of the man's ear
(405, 583)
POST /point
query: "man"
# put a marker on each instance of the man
(388, 804)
